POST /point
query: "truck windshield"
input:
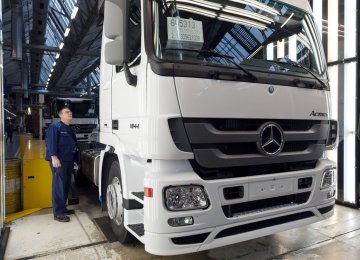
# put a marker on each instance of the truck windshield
(80, 109)
(254, 34)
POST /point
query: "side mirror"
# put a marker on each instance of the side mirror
(114, 52)
(116, 16)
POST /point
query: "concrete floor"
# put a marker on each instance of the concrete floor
(39, 236)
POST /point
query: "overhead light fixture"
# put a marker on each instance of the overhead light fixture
(61, 45)
(50, 75)
(74, 12)
(196, 10)
(67, 31)
(54, 64)
(258, 5)
(57, 56)
(52, 70)
(235, 19)
(198, 3)
(287, 20)
(246, 13)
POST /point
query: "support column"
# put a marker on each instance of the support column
(17, 30)
(41, 103)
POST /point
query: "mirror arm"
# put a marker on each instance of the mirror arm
(130, 78)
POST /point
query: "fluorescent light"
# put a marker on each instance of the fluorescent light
(61, 45)
(197, 2)
(350, 29)
(270, 51)
(258, 6)
(57, 56)
(54, 64)
(67, 31)
(52, 70)
(196, 10)
(74, 12)
(246, 13)
(349, 132)
(318, 14)
(50, 75)
(255, 52)
(235, 19)
(280, 50)
(293, 48)
(287, 20)
(333, 41)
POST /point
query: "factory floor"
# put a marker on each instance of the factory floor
(88, 236)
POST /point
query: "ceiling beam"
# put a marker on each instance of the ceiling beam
(86, 72)
(86, 17)
(56, 50)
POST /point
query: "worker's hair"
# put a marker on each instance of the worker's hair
(62, 108)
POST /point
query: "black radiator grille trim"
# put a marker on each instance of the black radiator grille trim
(253, 124)
(188, 240)
(251, 170)
(295, 199)
(264, 224)
(326, 209)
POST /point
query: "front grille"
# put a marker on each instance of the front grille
(263, 224)
(83, 128)
(252, 170)
(253, 124)
(263, 205)
(225, 148)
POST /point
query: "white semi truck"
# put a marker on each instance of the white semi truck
(216, 119)
(85, 117)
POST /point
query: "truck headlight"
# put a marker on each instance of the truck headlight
(186, 198)
(328, 179)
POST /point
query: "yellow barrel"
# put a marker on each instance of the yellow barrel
(12, 186)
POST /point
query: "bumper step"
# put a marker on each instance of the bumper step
(137, 228)
(138, 196)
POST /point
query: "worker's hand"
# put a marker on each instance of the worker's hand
(55, 161)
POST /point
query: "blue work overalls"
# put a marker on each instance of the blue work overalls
(61, 141)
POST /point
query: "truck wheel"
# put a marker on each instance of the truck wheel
(114, 203)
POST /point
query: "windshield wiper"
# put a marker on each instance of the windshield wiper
(298, 65)
(216, 54)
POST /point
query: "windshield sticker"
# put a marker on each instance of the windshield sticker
(184, 33)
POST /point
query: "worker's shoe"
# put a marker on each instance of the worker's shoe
(62, 218)
(69, 212)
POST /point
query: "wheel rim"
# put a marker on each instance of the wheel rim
(114, 201)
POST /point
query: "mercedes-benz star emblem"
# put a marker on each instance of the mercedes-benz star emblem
(271, 141)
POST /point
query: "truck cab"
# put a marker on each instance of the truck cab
(216, 119)
(85, 117)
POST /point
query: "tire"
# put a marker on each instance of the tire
(114, 203)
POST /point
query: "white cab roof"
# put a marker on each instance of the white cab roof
(302, 4)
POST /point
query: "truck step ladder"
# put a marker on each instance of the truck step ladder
(137, 230)
(138, 196)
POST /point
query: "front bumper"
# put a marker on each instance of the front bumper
(211, 227)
